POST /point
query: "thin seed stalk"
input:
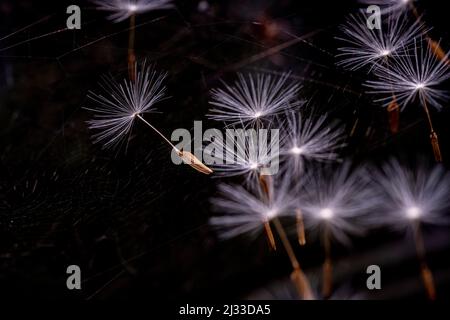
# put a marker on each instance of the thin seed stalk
(131, 50)
(270, 237)
(297, 276)
(300, 227)
(187, 157)
(433, 135)
(265, 183)
(426, 274)
(327, 269)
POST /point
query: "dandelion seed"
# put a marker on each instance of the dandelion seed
(247, 211)
(332, 202)
(250, 212)
(412, 75)
(254, 99)
(409, 198)
(119, 104)
(243, 152)
(336, 198)
(309, 139)
(408, 195)
(121, 10)
(367, 47)
(393, 7)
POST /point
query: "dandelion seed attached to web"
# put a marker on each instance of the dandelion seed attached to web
(254, 99)
(120, 103)
(414, 75)
(367, 48)
(412, 197)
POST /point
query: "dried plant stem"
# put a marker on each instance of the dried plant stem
(131, 51)
(433, 135)
(427, 275)
(327, 270)
(300, 228)
(297, 276)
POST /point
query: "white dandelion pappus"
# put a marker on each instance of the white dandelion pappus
(409, 194)
(244, 152)
(254, 99)
(121, 10)
(393, 7)
(121, 103)
(412, 75)
(246, 212)
(367, 47)
(309, 139)
(335, 200)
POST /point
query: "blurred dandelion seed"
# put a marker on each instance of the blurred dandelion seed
(409, 195)
(248, 211)
(121, 10)
(392, 7)
(254, 99)
(332, 202)
(309, 139)
(410, 198)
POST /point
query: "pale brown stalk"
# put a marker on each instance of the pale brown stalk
(297, 276)
(300, 227)
(187, 157)
(433, 135)
(327, 270)
(426, 274)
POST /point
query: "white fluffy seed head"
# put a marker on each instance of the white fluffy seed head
(116, 106)
(408, 194)
(335, 199)
(412, 74)
(244, 152)
(309, 139)
(123, 9)
(389, 7)
(254, 99)
(365, 47)
(245, 210)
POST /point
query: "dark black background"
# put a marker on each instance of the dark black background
(135, 223)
